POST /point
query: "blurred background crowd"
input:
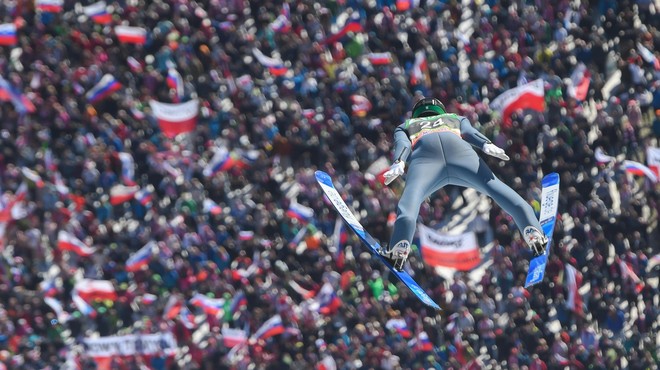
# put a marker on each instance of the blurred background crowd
(285, 88)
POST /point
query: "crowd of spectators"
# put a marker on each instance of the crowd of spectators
(304, 120)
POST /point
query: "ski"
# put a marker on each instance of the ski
(325, 181)
(547, 217)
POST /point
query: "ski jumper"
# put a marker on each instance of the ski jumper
(438, 152)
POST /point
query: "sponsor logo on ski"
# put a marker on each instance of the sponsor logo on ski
(341, 206)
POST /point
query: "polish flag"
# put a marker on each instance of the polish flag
(233, 337)
(573, 282)
(149, 298)
(50, 6)
(90, 290)
(33, 176)
(420, 70)
(601, 157)
(628, 273)
(68, 242)
(377, 169)
(131, 35)
(360, 105)
(528, 96)
(175, 119)
(122, 193)
(580, 80)
(8, 34)
(653, 159)
(379, 59)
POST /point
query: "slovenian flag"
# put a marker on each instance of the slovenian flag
(131, 35)
(141, 257)
(68, 242)
(353, 25)
(300, 212)
(275, 66)
(639, 169)
(84, 307)
(145, 196)
(175, 82)
(400, 326)
(648, 56)
(282, 23)
(172, 307)
(8, 34)
(211, 207)
(90, 290)
(98, 12)
(48, 287)
(20, 101)
(270, 328)
(103, 89)
(222, 160)
(122, 193)
(56, 305)
(233, 337)
(422, 343)
(211, 306)
(175, 119)
(239, 300)
(49, 6)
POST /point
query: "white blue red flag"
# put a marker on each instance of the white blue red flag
(300, 212)
(140, 258)
(275, 66)
(273, 326)
(98, 12)
(107, 86)
(175, 82)
(211, 306)
(8, 35)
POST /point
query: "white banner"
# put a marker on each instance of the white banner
(442, 250)
(130, 345)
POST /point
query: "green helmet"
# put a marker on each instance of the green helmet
(427, 107)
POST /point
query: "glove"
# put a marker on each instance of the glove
(495, 151)
(396, 170)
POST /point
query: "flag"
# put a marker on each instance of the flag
(353, 25)
(49, 6)
(127, 168)
(8, 35)
(60, 186)
(328, 300)
(282, 23)
(224, 160)
(90, 290)
(275, 66)
(131, 35)
(175, 82)
(21, 103)
(460, 252)
(211, 207)
(421, 343)
(376, 170)
(601, 157)
(360, 105)
(420, 70)
(400, 326)
(245, 235)
(233, 337)
(573, 282)
(172, 307)
(56, 305)
(33, 176)
(648, 56)
(107, 86)
(211, 306)
(122, 193)
(140, 258)
(653, 159)
(403, 5)
(68, 242)
(627, 273)
(300, 212)
(580, 80)
(98, 12)
(379, 59)
(84, 307)
(175, 119)
(238, 301)
(187, 318)
(304, 293)
(639, 169)
(270, 328)
(145, 196)
(529, 96)
(48, 287)
(134, 64)
(148, 298)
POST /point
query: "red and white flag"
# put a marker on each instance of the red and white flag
(68, 242)
(460, 252)
(33, 176)
(175, 119)
(420, 70)
(122, 193)
(653, 159)
(377, 169)
(131, 35)
(90, 290)
(233, 337)
(627, 273)
(573, 283)
(528, 96)
(580, 80)
(50, 6)
(648, 56)
(360, 105)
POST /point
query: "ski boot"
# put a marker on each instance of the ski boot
(535, 239)
(396, 255)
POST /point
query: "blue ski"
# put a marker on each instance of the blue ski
(547, 217)
(325, 181)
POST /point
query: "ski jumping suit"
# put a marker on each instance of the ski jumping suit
(438, 153)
